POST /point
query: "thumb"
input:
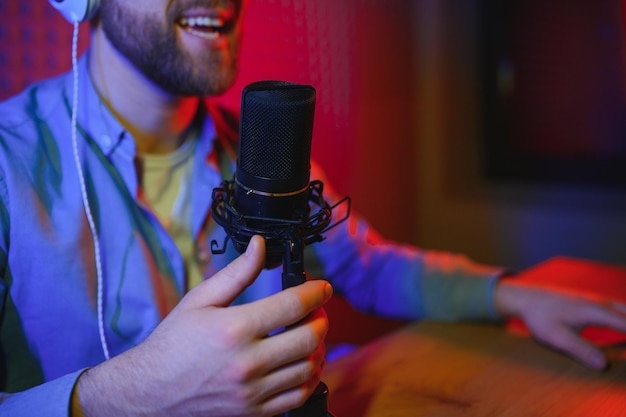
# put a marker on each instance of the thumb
(221, 289)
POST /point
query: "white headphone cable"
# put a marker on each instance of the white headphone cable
(83, 190)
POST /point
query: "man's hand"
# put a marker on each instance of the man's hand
(556, 318)
(209, 359)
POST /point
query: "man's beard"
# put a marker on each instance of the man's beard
(153, 49)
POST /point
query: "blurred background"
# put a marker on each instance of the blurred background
(492, 128)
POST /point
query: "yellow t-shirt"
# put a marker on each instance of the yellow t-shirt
(165, 180)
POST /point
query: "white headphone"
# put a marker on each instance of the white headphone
(76, 10)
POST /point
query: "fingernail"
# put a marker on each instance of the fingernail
(250, 248)
(328, 291)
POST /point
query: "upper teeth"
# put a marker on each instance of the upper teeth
(201, 21)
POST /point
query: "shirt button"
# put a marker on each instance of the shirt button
(203, 256)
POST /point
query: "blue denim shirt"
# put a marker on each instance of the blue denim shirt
(48, 321)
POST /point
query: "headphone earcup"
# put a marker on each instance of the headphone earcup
(76, 10)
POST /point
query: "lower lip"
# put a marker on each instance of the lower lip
(211, 39)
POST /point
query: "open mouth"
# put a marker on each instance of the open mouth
(207, 27)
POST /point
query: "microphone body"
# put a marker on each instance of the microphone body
(274, 162)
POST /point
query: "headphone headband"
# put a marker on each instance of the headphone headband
(76, 10)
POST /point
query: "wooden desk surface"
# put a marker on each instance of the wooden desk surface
(436, 369)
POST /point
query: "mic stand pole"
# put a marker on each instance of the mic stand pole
(293, 274)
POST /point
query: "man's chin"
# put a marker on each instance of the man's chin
(217, 87)
(217, 83)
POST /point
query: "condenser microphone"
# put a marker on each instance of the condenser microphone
(271, 194)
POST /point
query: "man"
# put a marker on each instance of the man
(150, 150)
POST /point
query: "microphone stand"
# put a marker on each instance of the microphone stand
(293, 274)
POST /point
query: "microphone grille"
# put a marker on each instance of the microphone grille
(276, 131)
